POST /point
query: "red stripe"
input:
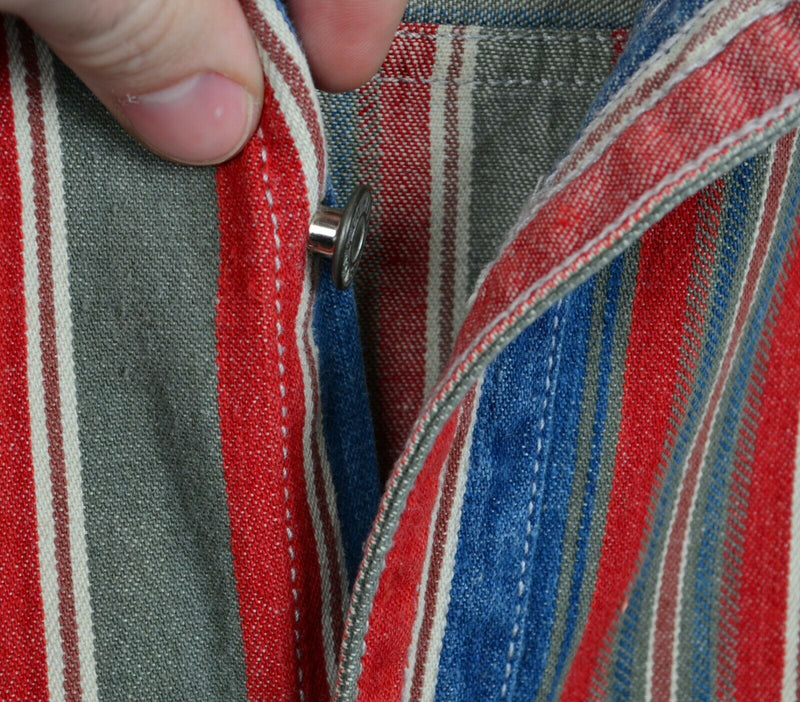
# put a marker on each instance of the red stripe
(394, 608)
(709, 201)
(619, 37)
(766, 538)
(52, 400)
(670, 69)
(439, 541)
(685, 120)
(648, 409)
(668, 601)
(447, 283)
(262, 414)
(402, 245)
(23, 657)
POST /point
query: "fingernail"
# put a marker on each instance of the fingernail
(203, 119)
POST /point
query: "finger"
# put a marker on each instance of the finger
(182, 76)
(345, 40)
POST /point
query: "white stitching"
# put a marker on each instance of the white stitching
(284, 412)
(543, 82)
(523, 566)
(532, 35)
(552, 186)
(645, 202)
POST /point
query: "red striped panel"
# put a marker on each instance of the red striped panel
(402, 251)
(767, 521)
(23, 663)
(567, 223)
(729, 614)
(394, 607)
(67, 617)
(262, 414)
(651, 380)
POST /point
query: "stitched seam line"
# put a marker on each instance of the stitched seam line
(397, 490)
(543, 82)
(572, 37)
(284, 413)
(636, 209)
(552, 186)
(523, 566)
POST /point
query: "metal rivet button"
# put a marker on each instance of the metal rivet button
(340, 234)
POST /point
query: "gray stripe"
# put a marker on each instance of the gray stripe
(611, 14)
(530, 98)
(143, 248)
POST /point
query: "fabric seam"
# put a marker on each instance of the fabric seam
(281, 349)
(420, 443)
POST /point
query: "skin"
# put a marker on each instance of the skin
(129, 51)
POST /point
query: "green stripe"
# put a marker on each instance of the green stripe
(143, 248)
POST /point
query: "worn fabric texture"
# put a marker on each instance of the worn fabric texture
(545, 449)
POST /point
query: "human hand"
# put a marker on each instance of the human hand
(183, 76)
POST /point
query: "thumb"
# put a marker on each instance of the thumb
(182, 76)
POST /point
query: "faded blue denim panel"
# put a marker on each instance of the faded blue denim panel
(510, 538)
(600, 418)
(346, 419)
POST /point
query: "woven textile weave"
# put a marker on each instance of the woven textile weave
(546, 449)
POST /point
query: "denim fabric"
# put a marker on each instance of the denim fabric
(593, 497)
(346, 415)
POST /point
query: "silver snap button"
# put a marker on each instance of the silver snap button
(340, 234)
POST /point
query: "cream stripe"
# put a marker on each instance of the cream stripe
(279, 24)
(465, 149)
(449, 559)
(438, 88)
(291, 110)
(704, 463)
(66, 371)
(792, 638)
(297, 128)
(313, 431)
(39, 442)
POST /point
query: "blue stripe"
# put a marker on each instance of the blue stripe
(561, 464)
(340, 123)
(522, 458)
(598, 430)
(601, 15)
